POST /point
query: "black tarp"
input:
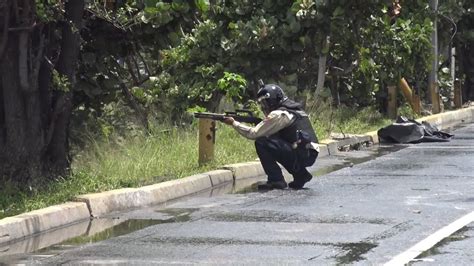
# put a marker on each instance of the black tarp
(406, 130)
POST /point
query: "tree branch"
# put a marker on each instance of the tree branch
(36, 62)
(6, 20)
(130, 70)
(16, 12)
(59, 107)
(137, 67)
(23, 60)
(23, 28)
(26, 12)
(147, 69)
(131, 99)
(133, 102)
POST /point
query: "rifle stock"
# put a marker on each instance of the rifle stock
(249, 118)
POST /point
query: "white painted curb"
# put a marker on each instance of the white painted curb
(30, 223)
(40, 241)
(219, 177)
(127, 198)
(450, 118)
(245, 170)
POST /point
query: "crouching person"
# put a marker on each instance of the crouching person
(285, 136)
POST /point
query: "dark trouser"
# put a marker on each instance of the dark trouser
(273, 150)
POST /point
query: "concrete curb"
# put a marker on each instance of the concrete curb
(127, 198)
(98, 204)
(450, 118)
(245, 170)
(34, 222)
(39, 241)
(332, 146)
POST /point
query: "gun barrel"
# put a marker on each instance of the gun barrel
(212, 116)
(220, 117)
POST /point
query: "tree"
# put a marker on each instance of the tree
(126, 71)
(39, 48)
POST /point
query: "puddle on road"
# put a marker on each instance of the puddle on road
(353, 252)
(123, 228)
(128, 226)
(94, 231)
(178, 214)
(23, 252)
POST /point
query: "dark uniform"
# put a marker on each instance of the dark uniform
(285, 136)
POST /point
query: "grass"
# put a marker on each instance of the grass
(119, 162)
(345, 120)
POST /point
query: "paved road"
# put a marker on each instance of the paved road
(363, 215)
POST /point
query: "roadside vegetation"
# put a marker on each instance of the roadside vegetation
(105, 162)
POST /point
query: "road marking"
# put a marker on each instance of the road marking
(430, 241)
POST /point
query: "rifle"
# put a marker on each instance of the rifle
(248, 118)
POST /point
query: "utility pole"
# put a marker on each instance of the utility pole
(433, 77)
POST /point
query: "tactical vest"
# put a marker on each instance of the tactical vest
(301, 122)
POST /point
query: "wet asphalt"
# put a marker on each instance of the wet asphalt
(362, 208)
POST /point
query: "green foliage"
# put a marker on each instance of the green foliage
(232, 84)
(394, 50)
(406, 111)
(193, 44)
(60, 82)
(196, 109)
(49, 10)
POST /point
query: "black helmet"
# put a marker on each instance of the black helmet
(270, 97)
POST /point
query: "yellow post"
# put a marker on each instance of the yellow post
(457, 94)
(392, 102)
(406, 90)
(413, 99)
(207, 139)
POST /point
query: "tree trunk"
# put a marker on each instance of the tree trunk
(433, 76)
(58, 149)
(336, 99)
(322, 67)
(33, 133)
(14, 150)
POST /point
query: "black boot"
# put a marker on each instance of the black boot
(269, 185)
(299, 180)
